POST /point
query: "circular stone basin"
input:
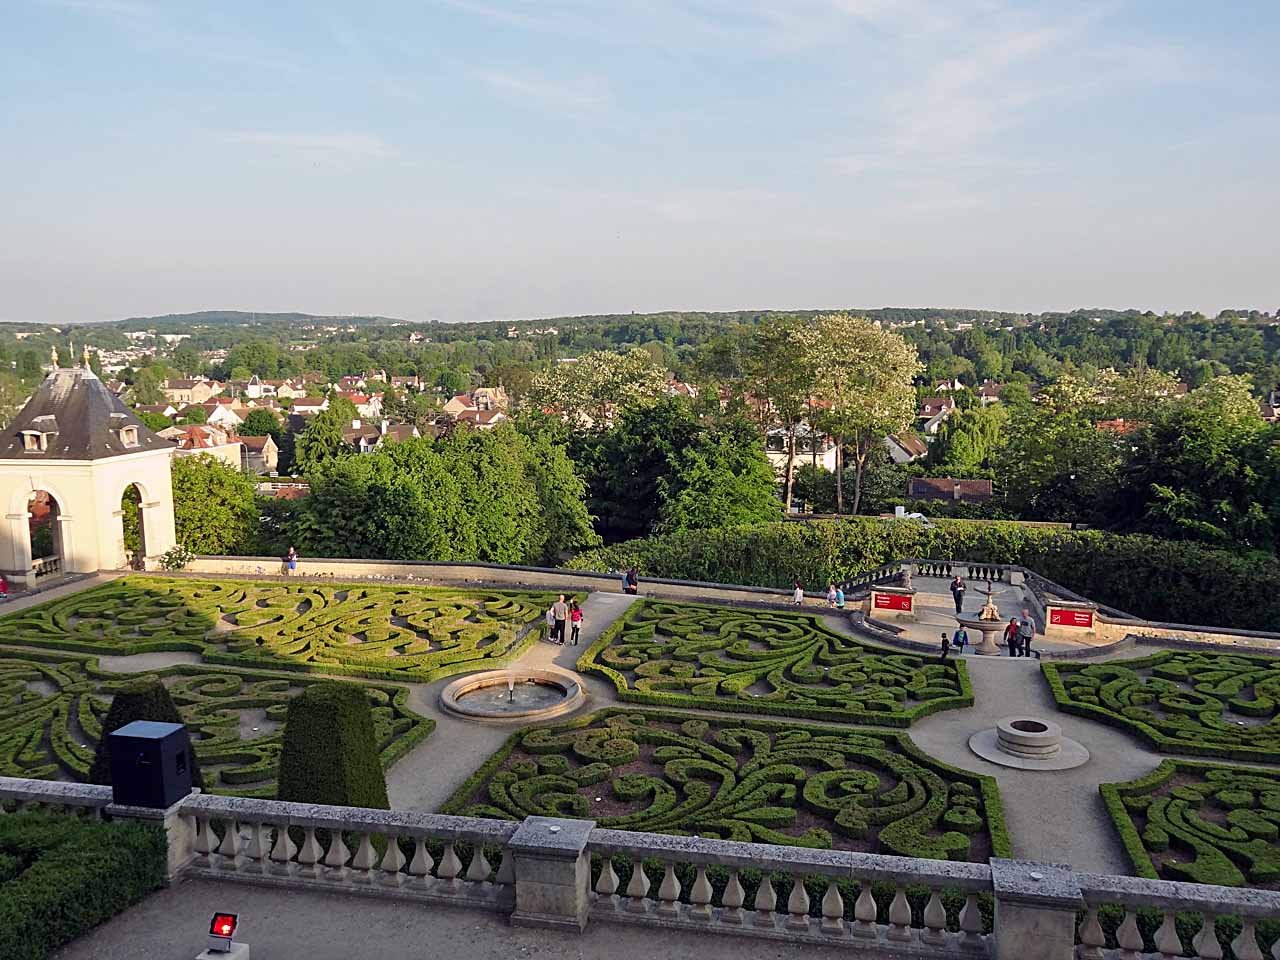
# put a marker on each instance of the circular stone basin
(1028, 743)
(513, 694)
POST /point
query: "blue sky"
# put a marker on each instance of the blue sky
(484, 159)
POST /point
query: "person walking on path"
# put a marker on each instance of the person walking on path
(1026, 633)
(960, 639)
(839, 598)
(551, 623)
(831, 594)
(561, 610)
(797, 595)
(1011, 636)
(946, 647)
(291, 561)
(957, 591)
(632, 581)
(575, 619)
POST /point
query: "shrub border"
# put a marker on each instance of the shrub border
(901, 719)
(997, 829)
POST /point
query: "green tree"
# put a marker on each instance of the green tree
(321, 442)
(780, 368)
(260, 423)
(187, 360)
(330, 750)
(193, 414)
(214, 506)
(969, 441)
(865, 375)
(153, 421)
(723, 479)
(29, 366)
(146, 386)
(599, 383)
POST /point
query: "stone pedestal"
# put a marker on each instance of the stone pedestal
(179, 829)
(553, 873)
(1035, 913)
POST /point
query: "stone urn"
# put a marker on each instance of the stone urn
(988, 623)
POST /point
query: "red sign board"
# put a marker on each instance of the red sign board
(893, 601)
(1071, 618)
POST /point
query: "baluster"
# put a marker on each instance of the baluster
(798, 905)
(421, 864)
(832, 909)
(282, 851)
(229, 848)
(1167, 941)
(392, 863)
(1245, 945)
(733, 899)
(864, 914)
(310, 854)
(935, 919)
(669, 892)
(1129, 937)
(766, 903)
(336, 859)
(700, 896)
(258, 846)
(1092, 939)
(506, 871)
(479, 869)
(202, 843)
(363, 862)
(971, 923)
(607, 883)
(1206, 942)
(450, 867)
(899, 915)
(637, 888)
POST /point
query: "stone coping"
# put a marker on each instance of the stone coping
(574, 694)
(358, 819)
(796, 860)
(1028, 881)
(55, 791)
(1200, 897)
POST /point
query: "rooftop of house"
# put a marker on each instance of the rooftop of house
(80, 420)
(910, 443)
(949, 488)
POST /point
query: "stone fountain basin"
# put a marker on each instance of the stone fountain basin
(464, 696)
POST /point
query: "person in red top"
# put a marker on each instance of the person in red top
(575, 619)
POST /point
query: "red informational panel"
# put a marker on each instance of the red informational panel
(893, 601)
(1071, 618)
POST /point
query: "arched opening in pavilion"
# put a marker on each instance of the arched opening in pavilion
(45, 531)
(135, 534)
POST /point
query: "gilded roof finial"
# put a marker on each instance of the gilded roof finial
(86, 355)
(53, 356)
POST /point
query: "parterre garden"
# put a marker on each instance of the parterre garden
(406, 633)
(1191, 820)
(748, 780)
(767, 661)
(52, 706)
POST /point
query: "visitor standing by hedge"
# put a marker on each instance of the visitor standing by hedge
(560, 610)
(831, 594)
(946, 647)
(631, 582)
(957, 592)
(551, 623)
(959, 639)
(575, 618)
(797, 594)
(291, 561)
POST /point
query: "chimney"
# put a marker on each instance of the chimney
(355, 424)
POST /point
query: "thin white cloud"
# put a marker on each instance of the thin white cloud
(574, 95)
(357, 146)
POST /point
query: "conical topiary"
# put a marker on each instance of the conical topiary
(330, 750)
(142, 699)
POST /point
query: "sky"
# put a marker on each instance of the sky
(498, 159)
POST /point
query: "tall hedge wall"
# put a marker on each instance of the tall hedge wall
(1158, 579)
(330, 753)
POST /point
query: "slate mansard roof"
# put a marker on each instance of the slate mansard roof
(81, 419)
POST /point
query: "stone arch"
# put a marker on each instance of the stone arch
(49, 542)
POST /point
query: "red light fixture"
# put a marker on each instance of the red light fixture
(221, 929)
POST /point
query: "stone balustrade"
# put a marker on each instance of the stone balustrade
(541, 872)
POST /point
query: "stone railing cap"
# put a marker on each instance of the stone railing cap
(1195, 897)
(55, 791)
(552, 837)
(1030, 881)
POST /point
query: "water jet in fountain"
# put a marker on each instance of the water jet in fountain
(513, 694)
